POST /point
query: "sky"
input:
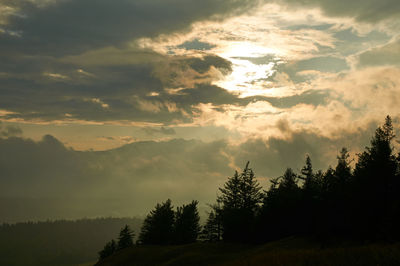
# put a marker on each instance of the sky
(107, 107)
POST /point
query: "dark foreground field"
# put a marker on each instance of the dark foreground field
(289, 251)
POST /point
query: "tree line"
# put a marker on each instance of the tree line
(340, 203)
(60, 242)
(161, 226)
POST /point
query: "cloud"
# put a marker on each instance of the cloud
(334, 105)
(304, 70)
(196, 45)
(137, 175)
(126, 91)
(161, 130)
(388, 54)
(107, 70)
(120, 139)
(362, 10)
(323, 64)
(370, 92)
(10, 131)
(74, 26)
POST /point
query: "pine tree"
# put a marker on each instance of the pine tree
(343, 168)
(251, 191)
(108, 250)
(307, 170)
(212, 230)
(281, 207)
(125, 238)
(312, 181)
(375, 184)
(311, 195)
(158, 226)
(187, 227)
(241, 191)
(230, 197)
(240, 197)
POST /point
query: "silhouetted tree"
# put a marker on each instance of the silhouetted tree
(240, 197)
(343, 169)
(108, 250)
(335, 202)
(125, 238)
(280, 212)
(212, 230)
(364, 203)
(340, 195)
(230, 197)
(375, 185)
(311, 197)
(187, 227)
(158, 226)
(307, 172)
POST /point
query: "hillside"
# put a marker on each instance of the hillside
(58, 242)
(290, 251)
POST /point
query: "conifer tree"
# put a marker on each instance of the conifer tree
(307, 170)
(108, 250)
(230, 196)
(158, 226)
(311, 194)
(241, 191)
(187, 227)
(375, 185)
(125, 238)
(343, 168)
(212, 230)
(240, 197)
(281, 207)
(312, 181)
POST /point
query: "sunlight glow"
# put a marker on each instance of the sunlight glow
(247, 78)
(246, 49)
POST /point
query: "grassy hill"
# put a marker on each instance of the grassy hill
(290, 251)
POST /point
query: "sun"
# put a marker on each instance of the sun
(249, 77)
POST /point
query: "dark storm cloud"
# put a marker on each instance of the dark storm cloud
(121, 93)
(361, 10)
(73, 26)
(205, 93)
(202, 65)
(49, 89)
